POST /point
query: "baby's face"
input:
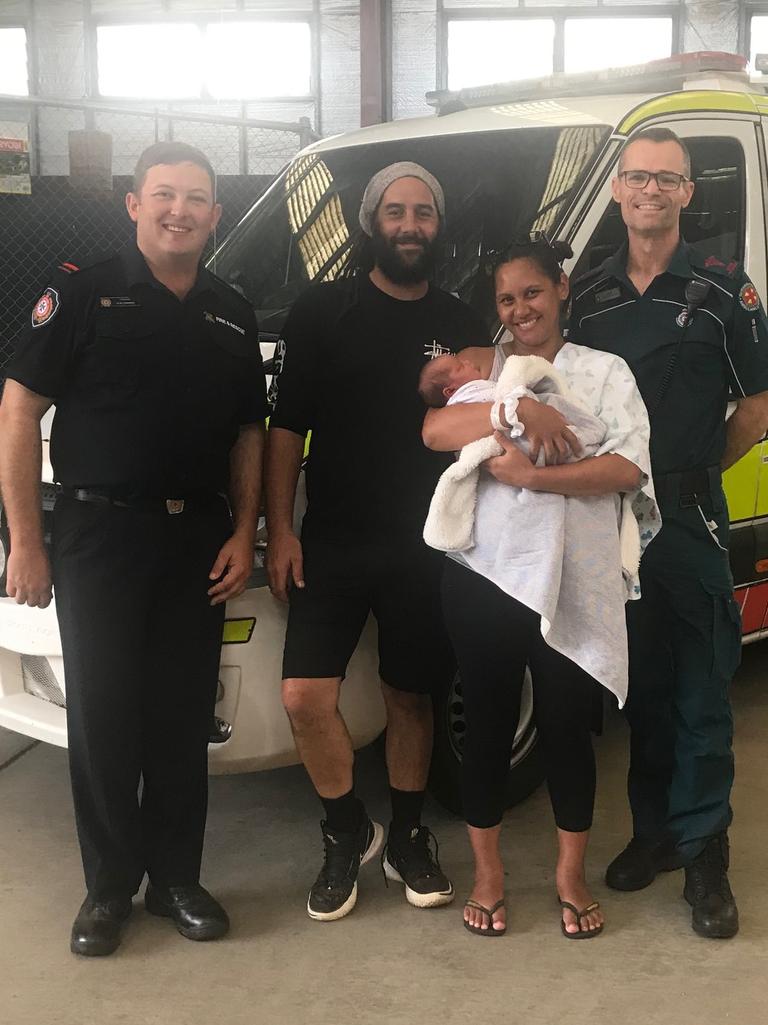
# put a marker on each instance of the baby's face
(460, 371)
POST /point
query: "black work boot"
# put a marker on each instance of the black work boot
(707, 890)
(640, 862)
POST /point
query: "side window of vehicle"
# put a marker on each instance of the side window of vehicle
(714, 221)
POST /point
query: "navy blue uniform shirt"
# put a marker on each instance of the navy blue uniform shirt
(724, 354)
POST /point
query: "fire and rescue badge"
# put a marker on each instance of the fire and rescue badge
(748, 297)
(45, 307)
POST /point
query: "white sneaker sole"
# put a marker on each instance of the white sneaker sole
(419, 900)
(371, 851)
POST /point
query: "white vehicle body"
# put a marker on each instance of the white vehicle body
(721, 115)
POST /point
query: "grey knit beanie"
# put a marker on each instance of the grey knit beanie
(381, 181)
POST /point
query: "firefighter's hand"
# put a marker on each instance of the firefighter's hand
(285, 564)
(234, 564)
(546, 428)
(29, 576)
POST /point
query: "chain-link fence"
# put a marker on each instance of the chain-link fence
(62, 221)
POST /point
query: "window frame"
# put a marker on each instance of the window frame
(31, 75)
(202, 20)
(557, 13)
(747, 11)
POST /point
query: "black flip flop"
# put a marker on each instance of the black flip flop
(582, 934)
(490, 931)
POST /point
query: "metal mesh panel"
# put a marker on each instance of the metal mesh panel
(60, 222)
(40, 681)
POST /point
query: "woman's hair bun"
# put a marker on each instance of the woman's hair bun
(562, 250)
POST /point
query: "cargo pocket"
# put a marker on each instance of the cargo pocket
(726, 635)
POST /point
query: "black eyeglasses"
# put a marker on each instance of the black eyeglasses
(667, 181)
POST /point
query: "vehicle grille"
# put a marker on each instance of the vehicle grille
(39, 680)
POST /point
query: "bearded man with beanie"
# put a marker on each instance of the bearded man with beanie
(348, 370)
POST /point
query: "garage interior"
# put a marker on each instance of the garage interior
(346, 65)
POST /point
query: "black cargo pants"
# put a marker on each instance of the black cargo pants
(141, 647)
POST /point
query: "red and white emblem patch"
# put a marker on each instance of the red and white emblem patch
(45, 307)
(748, 297)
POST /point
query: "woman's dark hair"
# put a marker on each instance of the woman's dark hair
(548, 256)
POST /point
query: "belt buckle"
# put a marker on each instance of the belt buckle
(174, 505)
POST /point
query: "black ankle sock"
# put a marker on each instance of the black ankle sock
(406, 810)
(344, 813)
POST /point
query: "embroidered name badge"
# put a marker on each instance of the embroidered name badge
(436, 349)
(748, 297)
(45, 308)
(119, 302)
(213, 319)
(607, 295)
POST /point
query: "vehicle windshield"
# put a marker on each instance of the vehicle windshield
(499, 186)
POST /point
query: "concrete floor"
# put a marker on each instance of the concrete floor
(387, 962)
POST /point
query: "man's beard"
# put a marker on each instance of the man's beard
(396, 267)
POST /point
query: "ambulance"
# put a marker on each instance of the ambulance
(512, 158)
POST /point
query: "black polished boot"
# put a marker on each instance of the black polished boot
(195, 913)
(97, 928)
(707, 890)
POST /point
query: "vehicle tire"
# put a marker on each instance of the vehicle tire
(526, 768)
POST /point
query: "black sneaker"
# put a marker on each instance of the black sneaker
(334, 893)
(707, 890)
(413, 863)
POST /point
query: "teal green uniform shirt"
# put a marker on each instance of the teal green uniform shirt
(724, 354)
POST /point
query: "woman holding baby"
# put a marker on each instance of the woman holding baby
(495, 635)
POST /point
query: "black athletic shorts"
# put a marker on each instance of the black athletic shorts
(344, 582)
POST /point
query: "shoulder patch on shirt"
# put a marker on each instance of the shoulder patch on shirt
(748, 297)
(45, 308)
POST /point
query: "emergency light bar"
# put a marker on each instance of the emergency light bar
(656, 76)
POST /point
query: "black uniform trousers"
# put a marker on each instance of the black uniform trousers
(141, 646)
(684, 647)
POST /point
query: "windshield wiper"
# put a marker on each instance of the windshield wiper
(554, 202)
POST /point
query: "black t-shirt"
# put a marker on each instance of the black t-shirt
(150, 391)
(724, 351)
(349, 366)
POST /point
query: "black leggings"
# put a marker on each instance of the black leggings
(494, 637)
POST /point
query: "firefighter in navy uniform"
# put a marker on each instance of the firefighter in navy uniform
(154, 367)
(693, 332)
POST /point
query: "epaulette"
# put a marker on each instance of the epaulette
(715, 264)
(587, 276)
(77, 265)
(230, 289)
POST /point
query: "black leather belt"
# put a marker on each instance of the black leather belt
(195, 502)
(688, 486)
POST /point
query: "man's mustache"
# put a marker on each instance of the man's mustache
(409, 240)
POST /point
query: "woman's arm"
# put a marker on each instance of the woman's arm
(600, 475)
(453, 427)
